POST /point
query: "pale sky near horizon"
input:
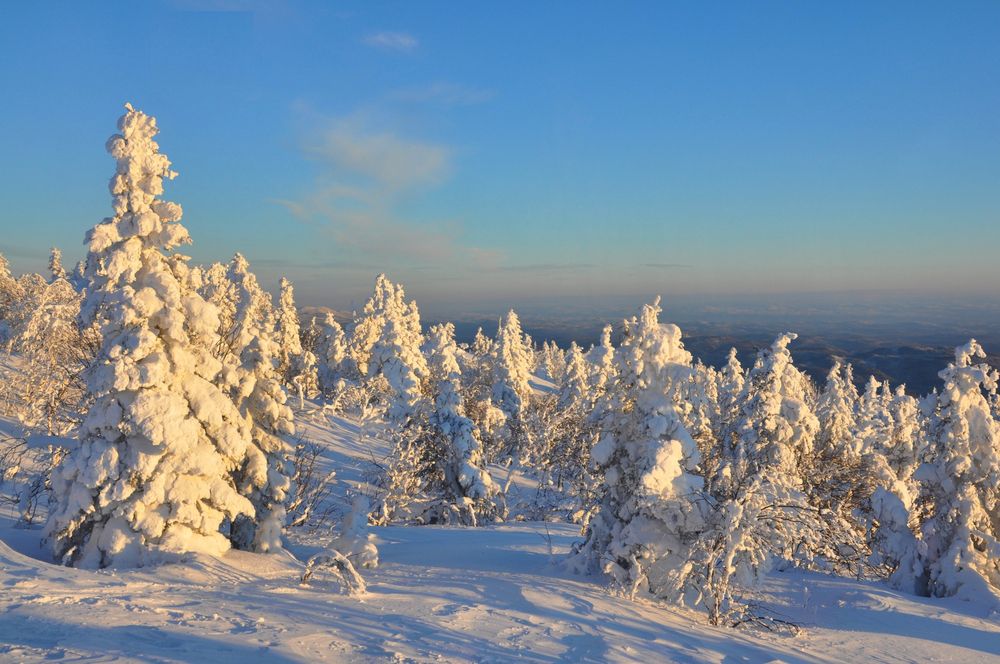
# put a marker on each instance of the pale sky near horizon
(505, 151)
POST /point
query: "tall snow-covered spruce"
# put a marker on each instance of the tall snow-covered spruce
(152, 474)
(962, 482)
(648, 511)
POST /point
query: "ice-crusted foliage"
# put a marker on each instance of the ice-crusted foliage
(331, 351)
(837, 477)
(10, 291)
(887, 516)
(764, 468)
(253, 313)
(368, 324)
(700, 411)
(395, 353)
(354, 541)
(874, 419)
(835, 410)
(568, 437)
(287, 334)
(574, 389)
(56, 269)
(731, 378)
(152, 472)
(962, 482)
(437, 473)
(552, 362)
(51, 394)
(512, 361)
(602, 364)
(466, 479)
(255, 386)
(648, 514)
(477, 391)
(219, 290)
(907, 442)
(777, 427)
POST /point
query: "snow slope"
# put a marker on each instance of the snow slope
(494, 594)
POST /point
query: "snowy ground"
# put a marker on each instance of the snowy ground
(492, 594)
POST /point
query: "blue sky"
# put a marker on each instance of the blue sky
(504, 150)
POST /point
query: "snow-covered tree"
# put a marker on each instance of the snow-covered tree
(731, 378)
(835, 409)
(962, 482)
(837, 475)
(874, 419)
(602, 361)
(50, 393)
(253, 381)
(907, 442)
(219, 290)
(648, 513)
(287, 333)
(152, 472)
(552, 362)
(10, 292)
(451, 473)
(56, 269)
(394, 355)
(570, 434)
(512, 360)
(252, 311)
(331, 351)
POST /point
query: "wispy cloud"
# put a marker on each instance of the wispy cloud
(667, 266)
(366, 170)
(547, 267)
(445, 94)
(394, 162)
(402, 42)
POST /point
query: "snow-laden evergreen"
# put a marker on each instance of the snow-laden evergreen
(265, 476)
(392, 325)
(647, 508)
(152, 472)
(512, 361)
(331, 353)
(962, 481)
(56, 269)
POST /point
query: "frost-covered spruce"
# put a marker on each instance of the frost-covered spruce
(574, 390)
(219, 291)
(962, 482)
(570, 435)
(367, 328)
(56, 269)
(51, 394)
(331, 351)
(602, 362)
(512, 361)
(552, 361)
(887, 515)
(731, 378)
(699, 408)
(835, 411)
(907, 442)
(265, 476)
(287, 333)
(648, 513)
(395, 352)
(11, 295)
(152, 472)
(770, 454)
(459, 475)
